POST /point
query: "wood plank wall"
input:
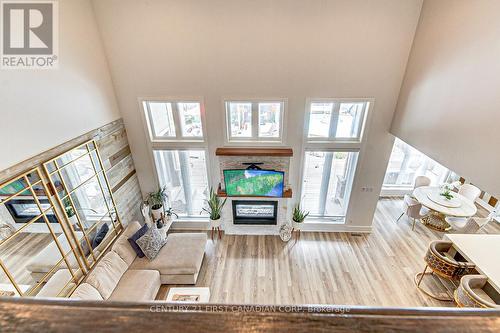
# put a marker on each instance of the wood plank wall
(118, 163)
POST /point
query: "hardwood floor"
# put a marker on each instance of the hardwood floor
(374, 269)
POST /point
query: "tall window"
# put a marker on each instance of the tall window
(406, 163)
(332, 141)
(184, 173)
(179, 151)
(327, 182)
(254, 121)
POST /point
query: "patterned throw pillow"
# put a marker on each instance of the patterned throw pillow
(151, 243)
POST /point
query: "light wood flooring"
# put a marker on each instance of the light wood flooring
(374, 269)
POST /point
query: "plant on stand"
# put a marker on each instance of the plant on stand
(70, 212)
(215, 205)
(298, 217)
(155, 201)
(166, 221)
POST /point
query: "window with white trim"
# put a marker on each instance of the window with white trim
(254, 120)
(174, 120)
(331, 120)
(406, 163)
(332, 140)
(177, 138)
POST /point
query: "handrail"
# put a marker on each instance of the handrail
(53, 315)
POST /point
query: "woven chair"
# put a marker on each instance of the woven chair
(443, 265)
(474, 292)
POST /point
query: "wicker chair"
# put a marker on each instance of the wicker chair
(474, 292)
(443, 265)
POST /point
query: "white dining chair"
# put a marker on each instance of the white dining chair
(471, 225)
(413, 209)
(469, 191)
(421, 181)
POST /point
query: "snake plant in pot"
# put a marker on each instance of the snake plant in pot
(214, 209)
(298, 216)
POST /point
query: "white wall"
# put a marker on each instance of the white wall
(43, 108)
(449, 107)
(292, 49)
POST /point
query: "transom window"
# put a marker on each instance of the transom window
(254, 120)
(174, 120)
(332, 120)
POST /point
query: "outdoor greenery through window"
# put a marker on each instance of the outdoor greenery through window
(254, 120)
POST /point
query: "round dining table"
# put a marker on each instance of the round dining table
(458, 206)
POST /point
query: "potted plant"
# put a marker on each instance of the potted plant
(446, 192)
(70, 212)
(215, 205)
(155, 201)
(166, 221)
(298, 216)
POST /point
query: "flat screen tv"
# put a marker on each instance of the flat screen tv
(252, 182)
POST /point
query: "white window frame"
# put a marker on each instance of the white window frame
(230, 140)
(176, 143)
(333, 145)
(334, 120)
(146, 111)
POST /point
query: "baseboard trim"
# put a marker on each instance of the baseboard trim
(306, 227)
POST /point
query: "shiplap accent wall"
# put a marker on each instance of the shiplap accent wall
(115, 153)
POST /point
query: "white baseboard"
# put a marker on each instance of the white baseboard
(272, 230)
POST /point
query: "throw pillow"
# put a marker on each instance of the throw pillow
(151, 243)
(100, 236)
(133, 240)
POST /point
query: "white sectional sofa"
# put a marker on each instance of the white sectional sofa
(121, 276)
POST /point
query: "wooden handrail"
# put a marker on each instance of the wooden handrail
(39, 315)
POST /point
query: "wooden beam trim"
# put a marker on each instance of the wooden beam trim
(123, 181)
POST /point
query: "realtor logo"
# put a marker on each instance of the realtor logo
(29, 34)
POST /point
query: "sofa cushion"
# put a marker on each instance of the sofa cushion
(56, 283)
(46, 259)
(103, 230)
(151, 242)
(136, 286)
(133, 240)
(86, 292)
(182, 254)
(122, 246)
(107, 273)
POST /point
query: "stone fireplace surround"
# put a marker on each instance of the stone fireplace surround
(274, 159)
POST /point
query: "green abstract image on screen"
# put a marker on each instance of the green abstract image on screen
(265, 183)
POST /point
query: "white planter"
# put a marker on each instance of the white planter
(216, 223)
(296, 225)
(156, 213)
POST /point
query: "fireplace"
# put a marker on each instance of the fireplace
(255, 212)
